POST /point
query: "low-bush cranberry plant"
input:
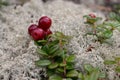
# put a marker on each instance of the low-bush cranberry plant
(54, 56)
(102, 31)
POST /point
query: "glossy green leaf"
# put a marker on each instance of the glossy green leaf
(109, 62)
(62, 64)
(53, 65)
(45, 48)
(43, 62)
(70, 58)
(41, 52)
(60, 70)
(55, 77)
(53, 49)
(53, 43)
(40, 42)
(70, 66)
(59, 52)
(72, 73)
(88, 68)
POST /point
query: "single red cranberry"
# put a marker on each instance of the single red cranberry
(48, 32)
(92, 15)
(31, 28)
(38, 34)
(44, 23)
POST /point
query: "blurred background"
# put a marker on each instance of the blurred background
(103, 5)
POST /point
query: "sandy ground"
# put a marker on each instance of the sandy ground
(17, 50)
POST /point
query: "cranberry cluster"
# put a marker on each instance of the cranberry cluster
(92, 15)
(40, 31)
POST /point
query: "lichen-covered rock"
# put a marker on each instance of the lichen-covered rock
(18, 52)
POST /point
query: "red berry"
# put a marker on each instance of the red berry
(48, 32)
(38, 34)
(92, 15)
(45, 23)
(31, 28)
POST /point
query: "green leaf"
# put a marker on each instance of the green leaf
(41, 52)
(109, 62)
(70, 66)
(117, 69)
(113, 24)
(53, 65)
(53, 49)
(36, 43)
(70, 58)
(88, 68)
(50, 72)
(55, 77)
(42, 62)
(45, 48)
(86, 16)
(108, 34)
(80, 75)
(94, 75)
(61, 36)
(72, 73)
(102, 75)
(60, 70)
(42, 41)
(59, 52)
(62, 64)
(112, 15)
(54, 42)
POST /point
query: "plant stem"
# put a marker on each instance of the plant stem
(64, 68)
(64, 60)
(94, 29)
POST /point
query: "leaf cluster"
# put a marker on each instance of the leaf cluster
(58, 63)
(54, 57)
(103, 31)
(92, 73)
